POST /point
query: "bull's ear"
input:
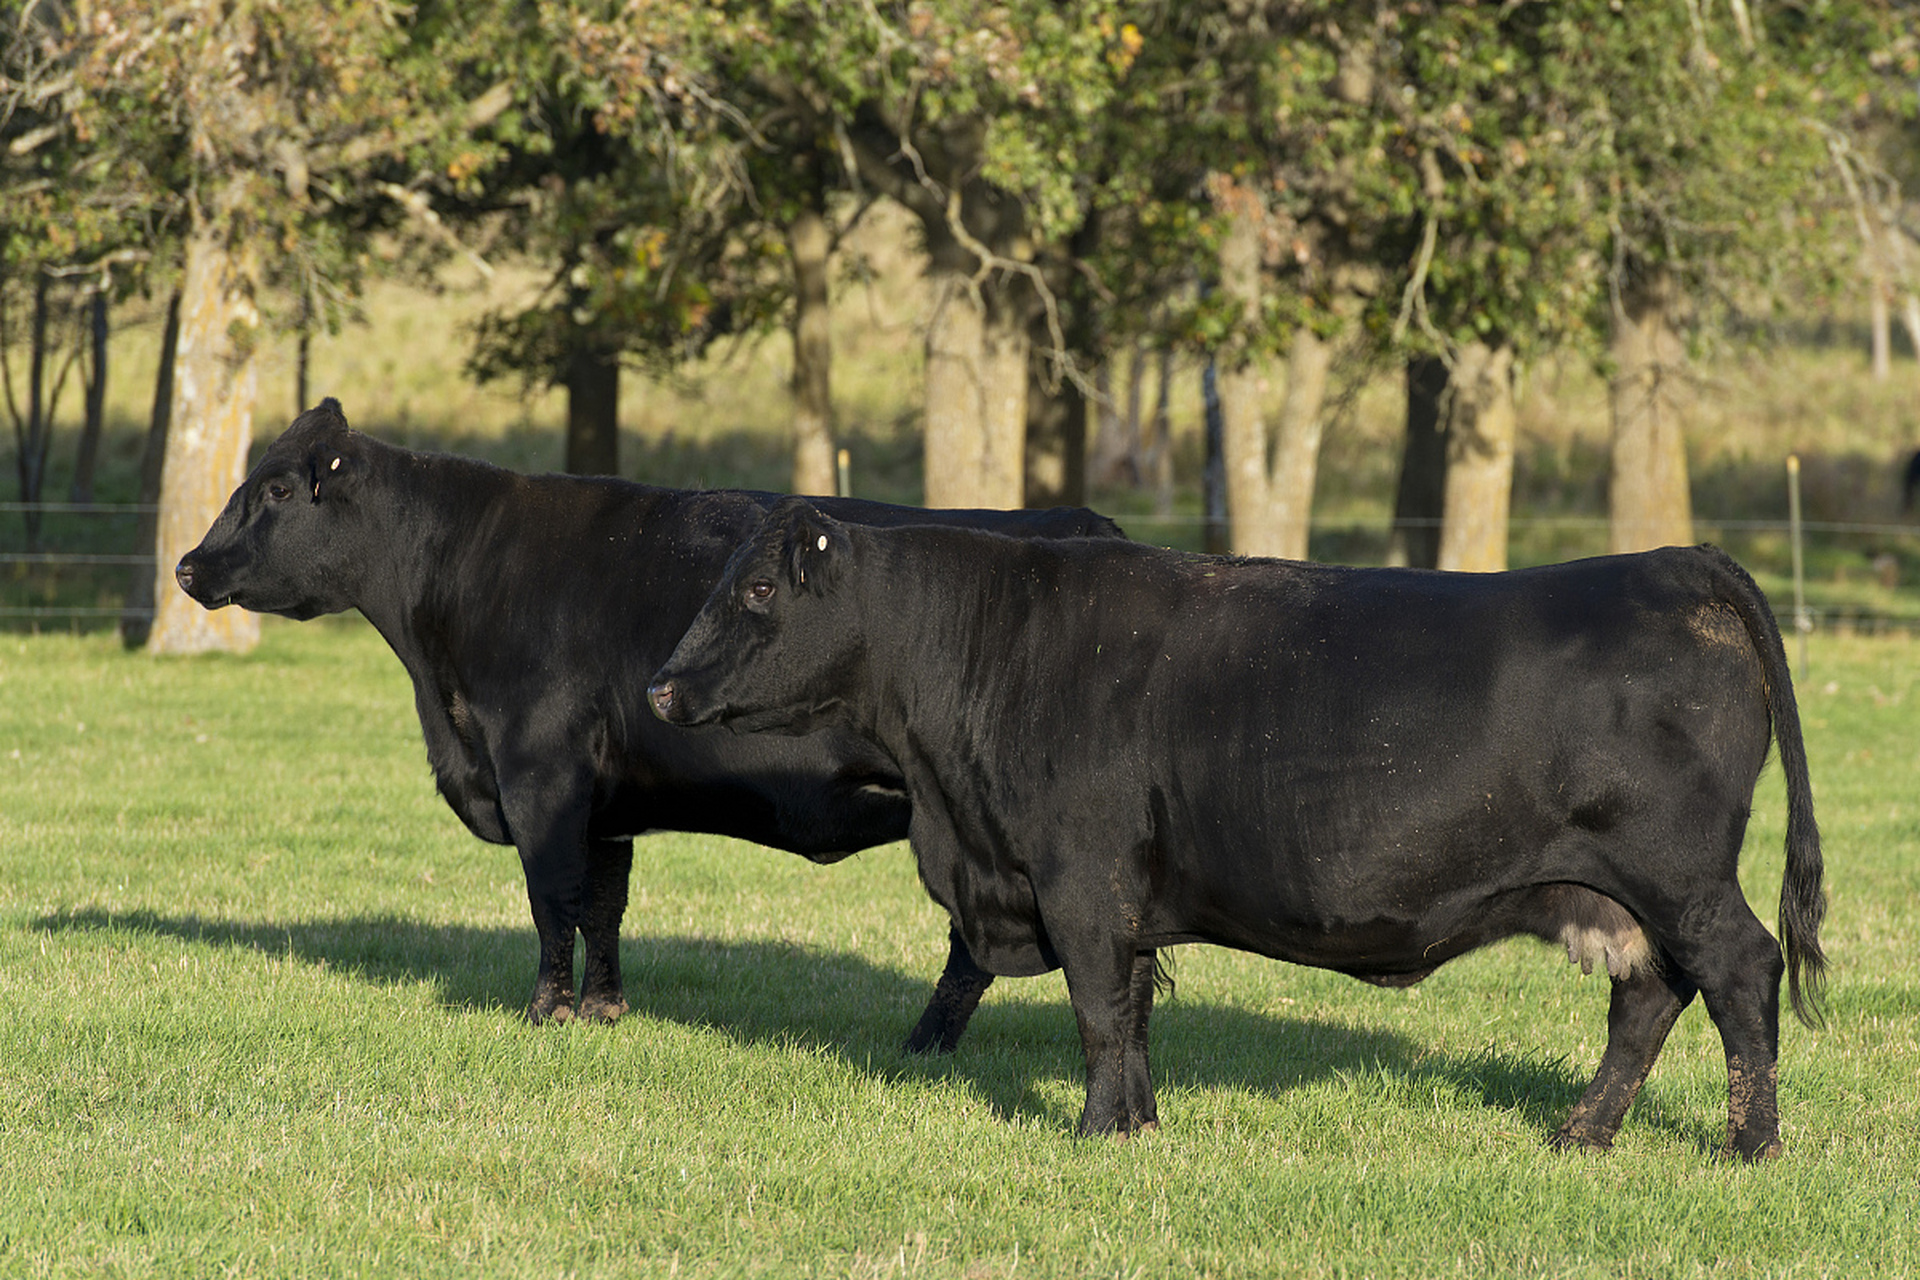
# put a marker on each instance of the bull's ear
(816, 549)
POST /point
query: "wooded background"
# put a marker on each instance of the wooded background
(1285, 191)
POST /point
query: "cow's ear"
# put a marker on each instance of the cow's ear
(333, 464)
(816, 548)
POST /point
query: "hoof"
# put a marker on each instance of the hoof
(601, 1009)
(929, 1046)
(935, 1033)
(540, 1015)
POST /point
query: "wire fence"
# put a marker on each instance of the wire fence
(66, 585)
(80, 586)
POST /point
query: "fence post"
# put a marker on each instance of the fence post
(1802, 621)
(843, 465)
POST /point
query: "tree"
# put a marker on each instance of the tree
(69, 244)
(284, 134)
(981, 120)
(1247, 113)
(773, 122)
(1715, 180)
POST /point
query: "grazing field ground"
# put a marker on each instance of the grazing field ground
(262, 997)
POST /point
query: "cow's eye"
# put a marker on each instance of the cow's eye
(278, 491)
(759, 593)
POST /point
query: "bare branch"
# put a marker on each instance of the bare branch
(423, 213)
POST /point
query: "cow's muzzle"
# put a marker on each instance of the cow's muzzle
(662, 697)
(183, 573)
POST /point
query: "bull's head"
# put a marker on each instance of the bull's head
(776, 647)
(277, 547)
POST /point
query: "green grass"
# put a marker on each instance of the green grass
(261, 999)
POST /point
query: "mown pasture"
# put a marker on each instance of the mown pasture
(262, 1001)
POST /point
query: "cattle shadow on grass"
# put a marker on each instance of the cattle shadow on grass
(1015, 1056)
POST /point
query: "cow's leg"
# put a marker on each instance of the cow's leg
(609, 863)
(548, 819)
(1726, 952)
(1643, 1009)
(955, 997)
(1102, 972)
(1136, 1072)
(1743, 997)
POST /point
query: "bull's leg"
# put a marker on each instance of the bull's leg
(1136, 1072)
(1642, 1011)
(609, 863)
(955, 997)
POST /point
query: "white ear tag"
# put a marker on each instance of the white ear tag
(822, 544)
(335, 466)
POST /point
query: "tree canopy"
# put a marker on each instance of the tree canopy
(1251, 181)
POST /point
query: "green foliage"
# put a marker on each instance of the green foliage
(1430, 173)
(263, 993)
(298, 129)
(1461, 172)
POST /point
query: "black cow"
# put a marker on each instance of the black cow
(1112, 748)
(530, 611)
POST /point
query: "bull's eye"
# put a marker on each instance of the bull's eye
(759, 593)
(278, 491)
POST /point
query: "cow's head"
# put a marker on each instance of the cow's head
(777, 646)
(282, 544)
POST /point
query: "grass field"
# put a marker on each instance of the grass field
(261, 995)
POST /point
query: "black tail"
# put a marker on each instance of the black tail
(1802, 903)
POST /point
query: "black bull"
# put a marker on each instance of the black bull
(1111, 748)
(530, 611)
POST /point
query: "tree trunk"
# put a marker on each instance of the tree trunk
(1056, 438)
(1215, 528)
(303, 354)
(811, 245)
(1479, 483)
(1237, 386)
(1109, 450)
(1296, 453)
(136, 619)
(1243, 441)
(1647, 490)
(593, 408)
(87, 456)
(956, 403)
(1420, 497)
(1880, 316)
(1005, 348)
(30, 458)
(976, 398)
(214, 385)
(1158, 453)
